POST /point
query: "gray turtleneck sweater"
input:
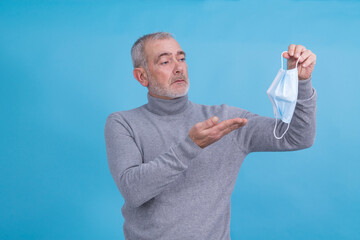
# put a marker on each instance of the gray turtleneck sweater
(173, 189)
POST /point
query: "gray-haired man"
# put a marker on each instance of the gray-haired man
(175, 162)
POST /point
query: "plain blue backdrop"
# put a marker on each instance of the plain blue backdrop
(65, 65)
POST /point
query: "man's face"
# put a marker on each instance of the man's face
(167, 69)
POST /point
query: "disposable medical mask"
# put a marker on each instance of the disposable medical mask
(283, 94)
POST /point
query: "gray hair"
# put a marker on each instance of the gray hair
(138, 54)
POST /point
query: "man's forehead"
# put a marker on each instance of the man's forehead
(159, 46)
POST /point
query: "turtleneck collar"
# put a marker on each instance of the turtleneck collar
(165, 107)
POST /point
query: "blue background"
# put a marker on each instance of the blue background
(65, 65)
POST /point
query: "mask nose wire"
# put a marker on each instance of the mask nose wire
(282, 60)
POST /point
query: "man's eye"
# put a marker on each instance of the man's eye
(166, 62)
(182, 59)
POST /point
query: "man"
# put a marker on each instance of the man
(176, 162)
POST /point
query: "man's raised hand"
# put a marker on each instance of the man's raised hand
(209, 131)
(306, 63)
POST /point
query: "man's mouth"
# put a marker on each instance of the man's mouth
(179, 81)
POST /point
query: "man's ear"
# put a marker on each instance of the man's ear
(141, 76)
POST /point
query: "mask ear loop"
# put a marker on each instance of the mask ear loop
(282, 67)
(283, 133)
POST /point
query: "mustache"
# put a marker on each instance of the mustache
(179, 77)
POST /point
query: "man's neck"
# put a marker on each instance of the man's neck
(165, 107)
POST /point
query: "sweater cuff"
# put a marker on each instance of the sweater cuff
(305, 89)
(186, 150)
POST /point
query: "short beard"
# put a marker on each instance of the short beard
(158, 90)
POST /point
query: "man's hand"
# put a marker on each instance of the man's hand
(210, 131)
(306, 63)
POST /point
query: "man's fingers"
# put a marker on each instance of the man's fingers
(311, 60)
(230, 124)
(209, 131)
(233, 127)
(291, 49)
(305, 55)
(298, 50)
(286, 55)
(209, 123)
(221, 129)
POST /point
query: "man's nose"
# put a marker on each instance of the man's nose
(178, 68)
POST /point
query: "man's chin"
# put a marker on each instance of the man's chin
(173, 92)
(183, 92)
(178, 94)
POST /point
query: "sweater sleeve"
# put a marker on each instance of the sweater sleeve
(258, 134)
(139, 182)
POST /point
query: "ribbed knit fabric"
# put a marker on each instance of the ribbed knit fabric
(175, 190)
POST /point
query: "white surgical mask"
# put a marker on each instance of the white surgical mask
(283, 94)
